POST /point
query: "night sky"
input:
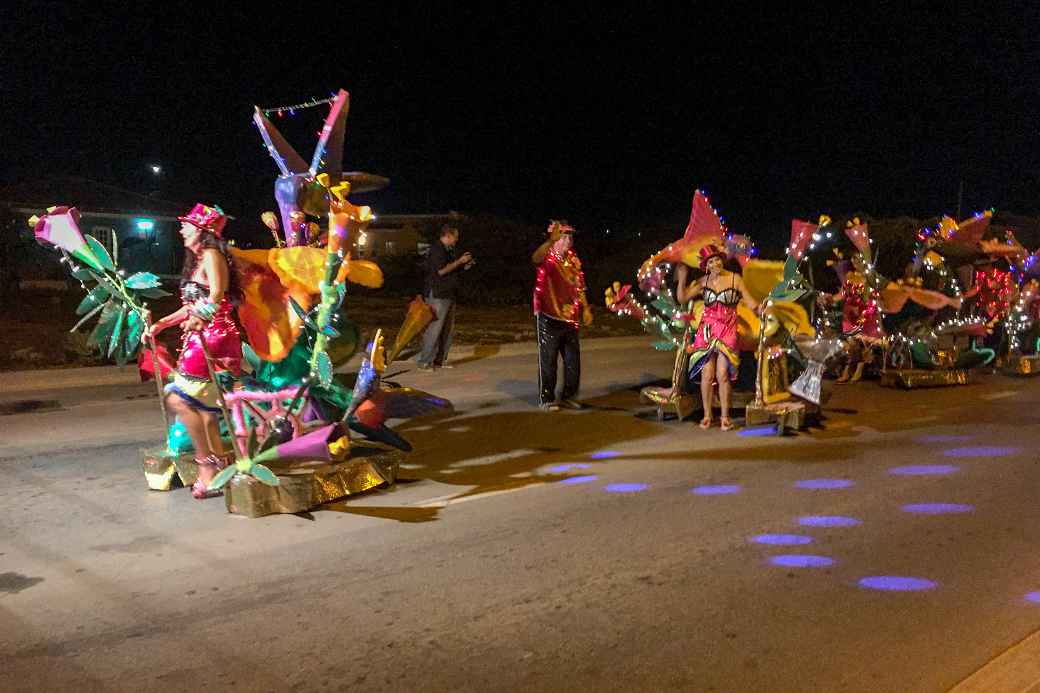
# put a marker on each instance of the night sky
(609, 118)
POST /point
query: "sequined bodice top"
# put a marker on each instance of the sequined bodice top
(729, 296)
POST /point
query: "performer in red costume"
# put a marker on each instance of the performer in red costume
(206, 317)
(560, 308)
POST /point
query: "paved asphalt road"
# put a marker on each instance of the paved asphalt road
(894, 550)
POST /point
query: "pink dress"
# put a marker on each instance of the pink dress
(717, 331)
(191, 380)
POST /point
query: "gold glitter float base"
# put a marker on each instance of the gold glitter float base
(305, 487)
(165, 471)
(913, 378)
(792, 415)
(1022, 365)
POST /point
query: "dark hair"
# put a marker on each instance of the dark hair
(448, 230)
(209, 240)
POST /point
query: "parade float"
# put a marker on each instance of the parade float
(783, 383)
(300, 433)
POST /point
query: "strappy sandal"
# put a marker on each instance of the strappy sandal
(198, 489)
(706, 423)
(726, 423)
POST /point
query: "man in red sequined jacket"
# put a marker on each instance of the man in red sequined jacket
(560, 309)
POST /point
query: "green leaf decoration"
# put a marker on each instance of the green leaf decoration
(302, 314)
(103, 330)
(330, 332)
(342, 289)
(251, 357)
(134, 330)
(664, 345)
(251, 446)
(221, 479)
(117, 332)
(101, 253)
(94, 298)
(264, 475)
(323, 368)
(86, 317)
(153, 293)
(84, 274)
(143, 280)
(344, 348)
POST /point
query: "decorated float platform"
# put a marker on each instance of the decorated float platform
(302, 486)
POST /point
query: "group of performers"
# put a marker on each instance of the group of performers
(264, 321)
(923, 326)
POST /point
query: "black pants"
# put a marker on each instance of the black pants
(556, 337)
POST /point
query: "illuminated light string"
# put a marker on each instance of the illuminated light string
(291, 109)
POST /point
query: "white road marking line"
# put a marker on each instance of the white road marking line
(999, 395)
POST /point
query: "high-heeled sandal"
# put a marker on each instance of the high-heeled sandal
(726, 423)
(706, 422)
(198, 489)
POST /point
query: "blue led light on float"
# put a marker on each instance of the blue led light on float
(575, 480)
(144, 225)
(625, 488)
(923, 470)
(828, 521)
(982, 451)
(938, 508)
(823, 484)
(1033, 597)
(897, 583)
(801, 561)
(716, 490)
(604, 455)
(782, 539)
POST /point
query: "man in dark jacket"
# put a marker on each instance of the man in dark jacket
(442, 276)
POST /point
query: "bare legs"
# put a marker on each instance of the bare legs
(722, 369)
(707, 396)
(716, 366)
(204, 432)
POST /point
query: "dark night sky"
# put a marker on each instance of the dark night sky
(609, 118)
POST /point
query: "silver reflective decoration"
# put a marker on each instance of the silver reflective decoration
(809, 384)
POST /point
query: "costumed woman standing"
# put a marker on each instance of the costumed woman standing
(207, 287)
(715, 355)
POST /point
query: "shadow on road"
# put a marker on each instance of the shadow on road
(501, 451)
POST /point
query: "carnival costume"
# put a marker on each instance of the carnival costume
(220, 336)
(717, 331)
(559, 305)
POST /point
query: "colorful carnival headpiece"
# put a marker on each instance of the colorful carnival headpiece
(207, 218)
(708, 252)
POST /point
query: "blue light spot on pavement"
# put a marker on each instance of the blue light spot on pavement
(782, 539)
(560, 468)
(827, 521)
(1033, 597)
(942, 438)
(719, 490)
(938, 508)
(757, 431)
(823, 483)
(625, 488)
(574, 480)
(923, 470)
(982, 451)
(801, 561)
(895, 583)
(604, 455)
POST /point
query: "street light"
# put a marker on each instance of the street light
(156, 168)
